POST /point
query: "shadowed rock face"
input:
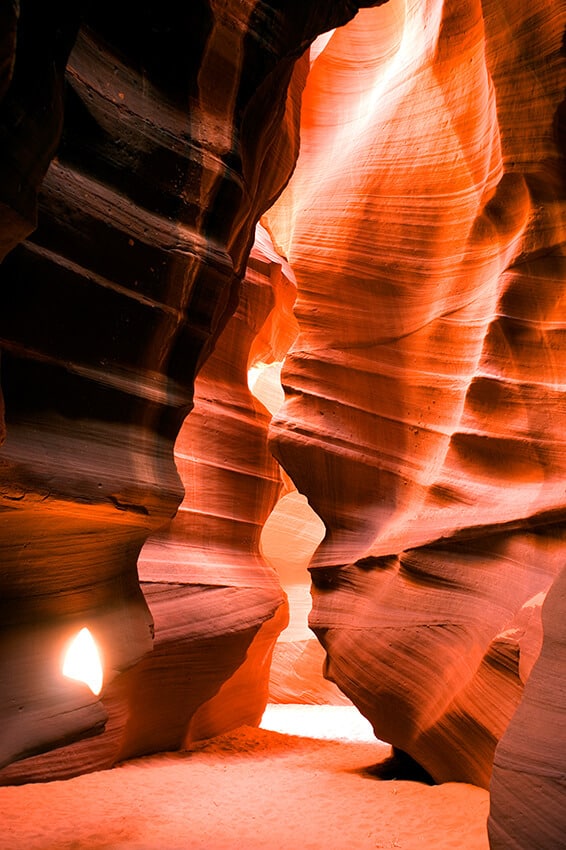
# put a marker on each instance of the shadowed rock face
(424, 412)
(35, 41)
(180, 128)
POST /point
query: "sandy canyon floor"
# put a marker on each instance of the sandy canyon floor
(297, 783)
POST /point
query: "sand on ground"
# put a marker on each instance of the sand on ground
(251, 789)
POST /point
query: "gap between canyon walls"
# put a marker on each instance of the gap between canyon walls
(415, 408)
(423, 418)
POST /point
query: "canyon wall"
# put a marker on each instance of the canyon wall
(528, 784)
(178, 127)
(423, 227)
(424, 395)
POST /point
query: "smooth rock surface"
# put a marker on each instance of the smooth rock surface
(423, 420)
(424, 395)
(179, 127)
(528, 785)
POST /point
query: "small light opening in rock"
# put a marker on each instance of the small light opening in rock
(264, 382)
(82, 661)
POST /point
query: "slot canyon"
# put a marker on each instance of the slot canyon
(283, 323)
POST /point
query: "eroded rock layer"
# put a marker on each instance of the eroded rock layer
(528, 783)
(424, 411)
(180, 127)
(206, 571)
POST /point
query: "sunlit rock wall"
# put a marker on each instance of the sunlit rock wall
(424, 393)
(528, 783)
(179, 128)
(204, 577)
(424, 416)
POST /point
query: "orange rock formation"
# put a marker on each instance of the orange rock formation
(145, 223)
(424, 394)
(423, 417)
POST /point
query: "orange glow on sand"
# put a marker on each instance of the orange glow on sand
(82, 661)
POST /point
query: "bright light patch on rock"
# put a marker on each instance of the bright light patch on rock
(82, 661)
(264, 382)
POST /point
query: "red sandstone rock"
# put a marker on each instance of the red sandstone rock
(424, 415)
(528, 782)
(35, 40)
(206, 572)
(424, 394)
(180, 128)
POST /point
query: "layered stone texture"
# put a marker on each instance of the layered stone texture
(35, 40)
(423, 416)
(424, 413)
(528, 783)
(180, 128)
(205, 574)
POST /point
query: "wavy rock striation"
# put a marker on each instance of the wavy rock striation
(424, 393)
(204, 577)
(528, 783)
(180, 128)
(424, 411)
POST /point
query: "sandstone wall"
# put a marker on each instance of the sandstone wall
(180, 128)
(424, 413)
